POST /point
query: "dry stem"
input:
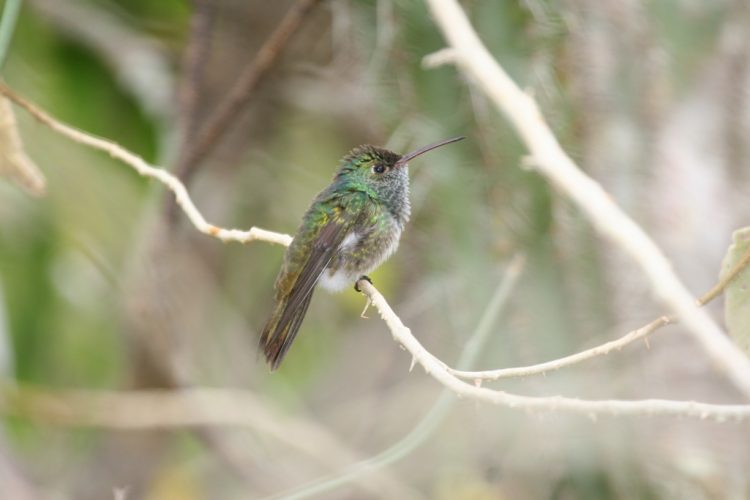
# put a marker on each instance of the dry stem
(473, 58)
(140, 410)
(229, 108)
(629, 338)
(646, 407)
(143, 168)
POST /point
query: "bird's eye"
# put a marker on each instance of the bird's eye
(378, 169)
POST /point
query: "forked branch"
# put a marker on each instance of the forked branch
(522, 111)
(86, 407)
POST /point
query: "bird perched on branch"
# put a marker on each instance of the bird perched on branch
(351, 228)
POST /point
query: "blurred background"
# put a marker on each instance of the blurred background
(104, 285)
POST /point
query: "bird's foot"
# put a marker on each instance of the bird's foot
(364, 311)
(363, 277)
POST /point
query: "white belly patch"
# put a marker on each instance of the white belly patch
(343, 278)
(337, 281)
(350, 240)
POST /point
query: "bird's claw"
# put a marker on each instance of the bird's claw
(363, 277)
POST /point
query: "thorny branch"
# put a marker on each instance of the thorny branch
(548, 157)
(210, 416)
(645, 407)
(629, 338)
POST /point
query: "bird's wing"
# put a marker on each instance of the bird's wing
(294, 287)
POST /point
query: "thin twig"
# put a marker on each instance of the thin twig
(550, 159)
(143, 168)
(556, 364)
(230, 108)
(591, 408)
(15, 164)
(191, 85)
(194, 63)
(606, 348)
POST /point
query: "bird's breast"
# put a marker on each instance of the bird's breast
(361, 252)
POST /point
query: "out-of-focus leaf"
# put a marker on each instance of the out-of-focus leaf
(14, 162)
(737, 303)
(174, 483)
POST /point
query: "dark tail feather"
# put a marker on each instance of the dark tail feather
(281, 329)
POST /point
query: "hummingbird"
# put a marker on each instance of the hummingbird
(351, 227)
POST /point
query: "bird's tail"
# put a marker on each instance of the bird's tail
(281, 329)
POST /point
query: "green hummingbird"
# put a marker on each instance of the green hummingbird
(351, 228)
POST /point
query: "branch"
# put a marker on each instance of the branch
(432, 419)
(556, 364)
(194, 65)
(143, 168)
(646, 407)
(229, 109)
(180, 408)
(15, 164)
(642, 332)
(548, 157)
(141, 410)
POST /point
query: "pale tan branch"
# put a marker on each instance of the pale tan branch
(646, 407)
(139, 410)
(180, 408)
(473, 58)
(202, 407)
(556, 364)
(14, 162)
(143, 168)
(606, 348)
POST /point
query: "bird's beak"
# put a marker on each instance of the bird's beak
(409, 156)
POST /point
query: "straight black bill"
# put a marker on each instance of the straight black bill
(409, 156)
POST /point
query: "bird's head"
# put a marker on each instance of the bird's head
(381, 169)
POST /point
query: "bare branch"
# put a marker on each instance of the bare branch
(614, 345)
(646, 407)
(143, 168)
(168, 409)
(475, 60)
(428, 426)
(142, 410)
(556, 364)
(194, 64)
(229, 108)
(15, 164)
